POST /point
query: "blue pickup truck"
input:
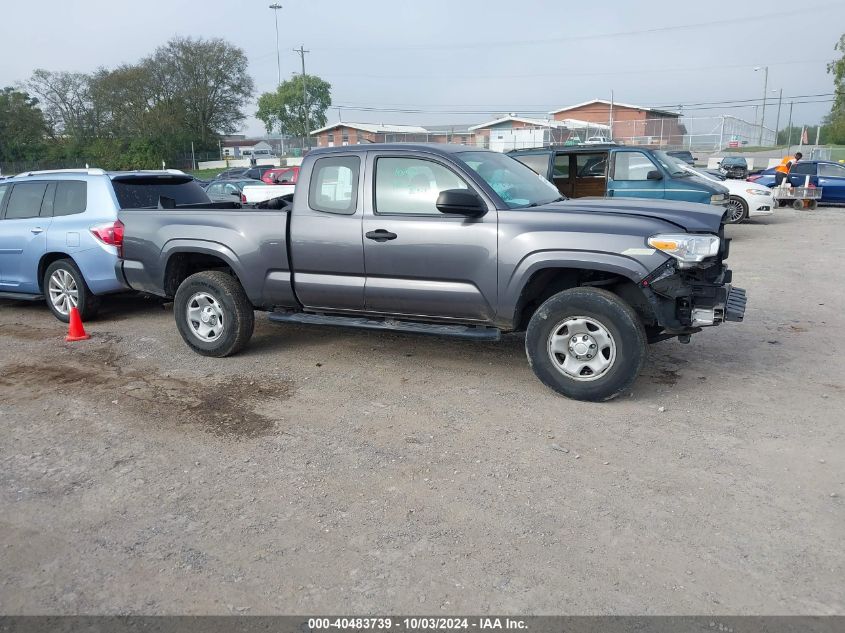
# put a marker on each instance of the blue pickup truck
(619, 171)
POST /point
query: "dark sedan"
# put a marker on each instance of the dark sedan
(734, 167)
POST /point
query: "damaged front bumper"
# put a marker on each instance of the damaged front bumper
(684, 300)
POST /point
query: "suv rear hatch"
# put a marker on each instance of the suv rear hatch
(150, 191)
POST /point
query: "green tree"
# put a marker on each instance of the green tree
(835, 121)
(22, 125)
(200, 85)
(65, 99)
(793, 135)
(284, 110)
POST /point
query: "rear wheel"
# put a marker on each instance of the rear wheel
(586, 343)
(64, 288)
(737, 210)
(798, 205)
(812, 205)
(213, 314)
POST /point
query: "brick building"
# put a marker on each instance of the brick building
(342, 133)
(632, 124)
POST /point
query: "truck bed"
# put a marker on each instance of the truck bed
(241, 239)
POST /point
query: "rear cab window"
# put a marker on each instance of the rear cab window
(334, 185)
(146, 192)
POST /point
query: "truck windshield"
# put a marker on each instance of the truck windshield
(145, 192)
(517, 185)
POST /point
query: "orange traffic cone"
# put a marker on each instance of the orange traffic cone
(75, 329)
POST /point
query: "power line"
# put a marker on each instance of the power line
(575, 38)
(700, 106)
(591, 73)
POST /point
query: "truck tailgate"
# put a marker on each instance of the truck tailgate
(252, 242)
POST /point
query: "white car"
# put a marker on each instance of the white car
(261, 192)
(746, 199)
(598, 140)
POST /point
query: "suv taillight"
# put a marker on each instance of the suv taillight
(243, 198)
(111, 234)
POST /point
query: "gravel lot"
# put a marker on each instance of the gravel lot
(326, 470)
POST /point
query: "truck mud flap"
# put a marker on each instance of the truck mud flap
(735, 305)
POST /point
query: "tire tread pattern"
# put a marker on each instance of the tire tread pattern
(227, 290)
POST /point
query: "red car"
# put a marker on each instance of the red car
(281, 176)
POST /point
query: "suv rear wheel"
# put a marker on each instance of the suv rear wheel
(64, 288)
(586, 343)
(213, 314)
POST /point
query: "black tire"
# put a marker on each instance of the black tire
(798, 205)
(612, 313)
(812, 205)
(86, 301)
(733, 217)
(229, 300)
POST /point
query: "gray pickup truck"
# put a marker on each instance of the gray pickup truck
(449, 240)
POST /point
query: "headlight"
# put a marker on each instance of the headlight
(686, 248)
(758, 192)
(718, 198)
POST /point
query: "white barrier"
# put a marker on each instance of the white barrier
(240, 162)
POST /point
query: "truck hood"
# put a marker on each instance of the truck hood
(692, 217)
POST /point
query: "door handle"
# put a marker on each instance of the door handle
(37, 230)
(380, 235)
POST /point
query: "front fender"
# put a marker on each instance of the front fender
(511, 286)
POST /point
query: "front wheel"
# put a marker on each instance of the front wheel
(737, 210)
(586, 344)
(213, 314)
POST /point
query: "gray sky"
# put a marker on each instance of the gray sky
(458, 60)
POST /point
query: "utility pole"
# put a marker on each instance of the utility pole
(777, 120)
(610, 119)
(789, 127)
(301, 50)
(763, 114)
(276, 6)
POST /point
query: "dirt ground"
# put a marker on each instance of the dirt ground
(328, 470)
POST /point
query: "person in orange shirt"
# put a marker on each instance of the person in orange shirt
(785, 166)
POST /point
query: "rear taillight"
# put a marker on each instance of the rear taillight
(111, 234)
(243, 199)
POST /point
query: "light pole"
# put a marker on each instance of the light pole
(777, 120)
(765, 70)
(276, 6)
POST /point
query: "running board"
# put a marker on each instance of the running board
(477, 333)
(21, 296)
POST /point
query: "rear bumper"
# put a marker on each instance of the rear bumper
(97, 266)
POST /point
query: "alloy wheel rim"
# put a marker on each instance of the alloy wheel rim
(582, 348)
(205, 317)
(736, 210)
(63, 291)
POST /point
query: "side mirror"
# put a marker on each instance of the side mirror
(460, 202)
(654, 175)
